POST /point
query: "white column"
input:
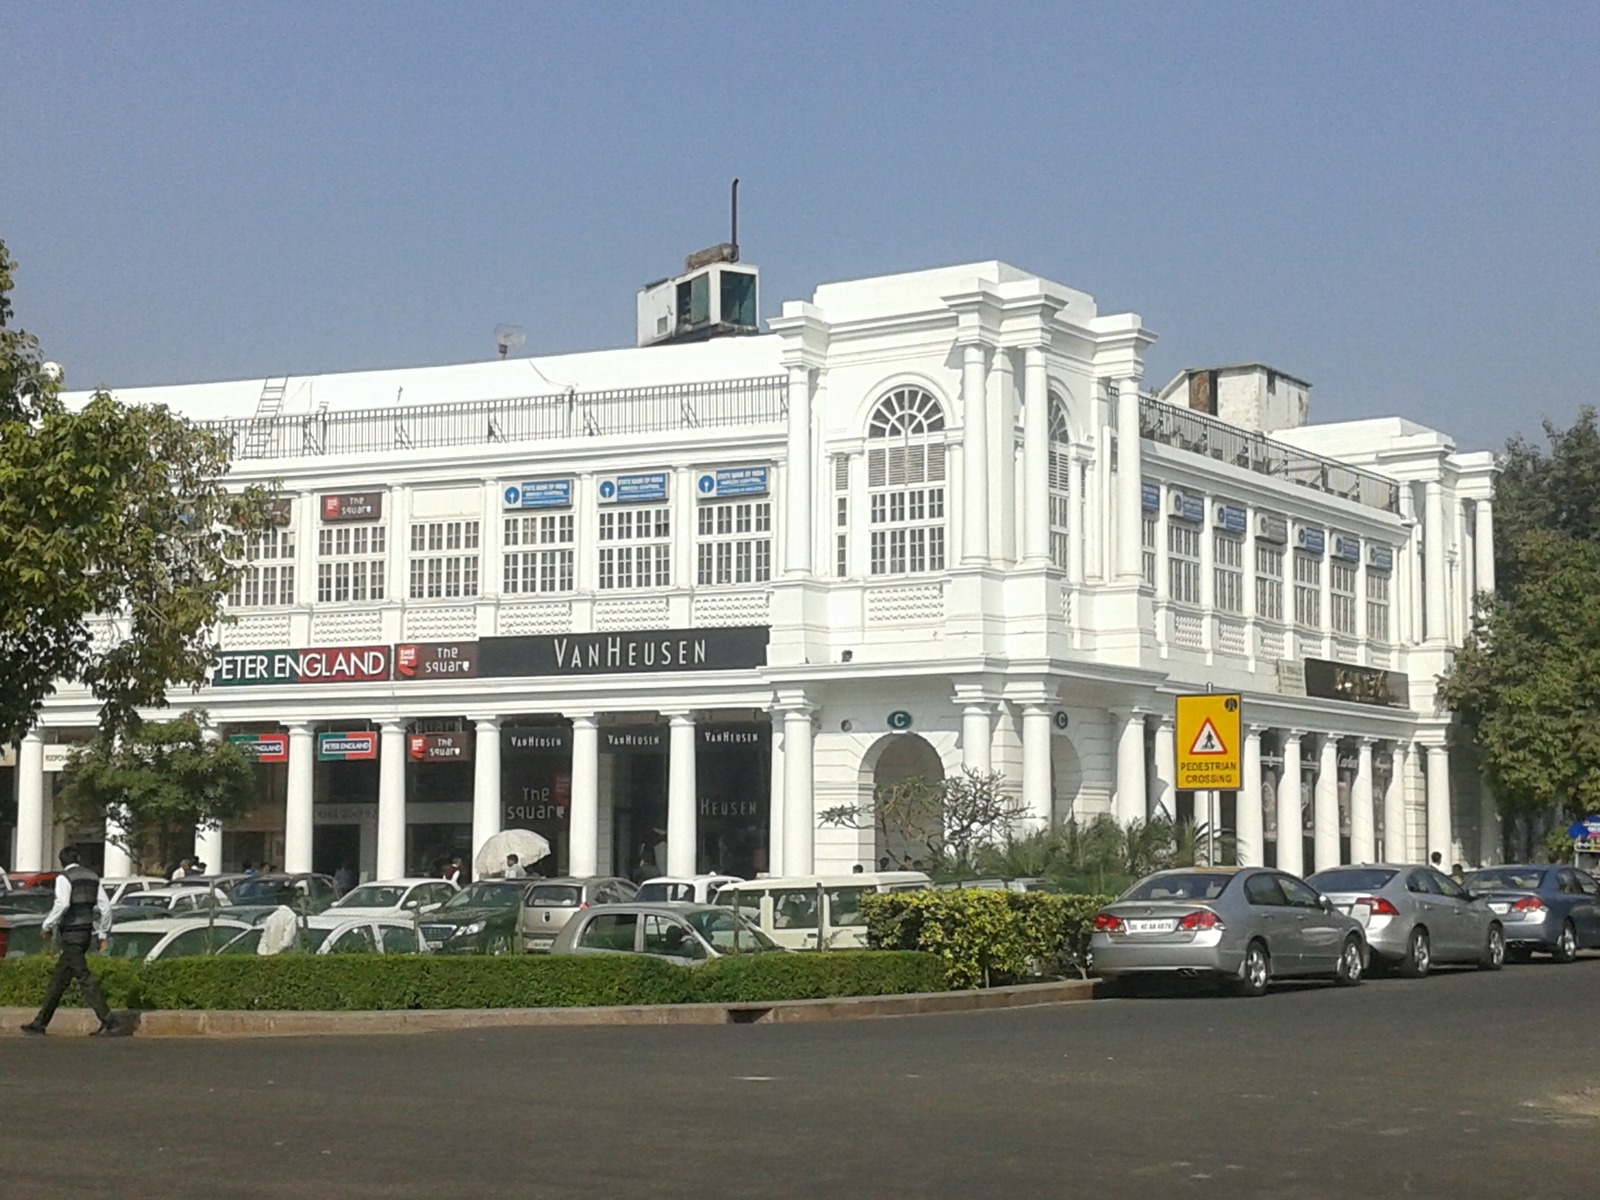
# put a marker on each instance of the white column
(1490, 833)
(1035, 457)
(391, 862)
(974, 453)
(681, 801)
(584, 808)
(777, 818)
(1129, 802)
(486, 803)
(1436, 584)
(1165, 797)
(1394, 807)
(207, 838)
(31, 835)
(1036, 794)
(1439, 804)
(797, 474)
(1078, 500)
(975, 736)
(1130, 482)
(118, 862)
(1483, 545)
(1325, 806)
(1247, 818)
(1362, 835)
(298, 813)
(799, 802)
(1291, 850)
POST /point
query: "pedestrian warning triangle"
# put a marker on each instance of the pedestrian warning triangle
(1207, 740)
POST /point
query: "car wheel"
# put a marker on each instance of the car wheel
(1255, 973)
(1494, 950)
(1348, 973)
(1419, 954)
(1519, 954)
(500, 943)
(1566, 945)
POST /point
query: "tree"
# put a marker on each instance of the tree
(952, 818)
(113, 511)
(152, 785)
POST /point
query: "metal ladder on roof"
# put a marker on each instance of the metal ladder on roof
(267, 409)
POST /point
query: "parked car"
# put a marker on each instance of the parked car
(118, 889)
(33, 879)
(479, 919)
(548, 904)
(796, 910)
(683, 889)
(326, 933)
(1415, 917)
(19, 934)
(28, 900)
(255, 896)
(172, 901)
(1554, 910)
(394, 898)
(1243, 925)
(684, 933)
(172, 937)
(224, 882)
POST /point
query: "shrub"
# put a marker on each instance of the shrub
(987, 937)
(358, 982)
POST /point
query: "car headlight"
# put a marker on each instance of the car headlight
(472, 930)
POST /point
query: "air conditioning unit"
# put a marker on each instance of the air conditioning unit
(1271, 529)
(1174, 503)
(1310, 539)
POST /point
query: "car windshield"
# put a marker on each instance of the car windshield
(132, 943)
(728, 933)
(1179, 886)
(373, 895)
(1363, 879)
(248, 942)
(1518, 879)
(263, 891)
(485, 895)
(665, 893)
(556, 895)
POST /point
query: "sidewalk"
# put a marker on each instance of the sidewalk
(77, 1022)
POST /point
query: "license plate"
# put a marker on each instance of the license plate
(1166, 926)
(1499, 906)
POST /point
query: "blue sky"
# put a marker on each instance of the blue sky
(1397, 202)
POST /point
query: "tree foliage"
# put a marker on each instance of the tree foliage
(950, 818)
(153, 784)
(112, 511)
(1527, 682)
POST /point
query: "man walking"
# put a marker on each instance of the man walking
(82, 911)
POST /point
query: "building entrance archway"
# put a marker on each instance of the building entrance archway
(895, 759)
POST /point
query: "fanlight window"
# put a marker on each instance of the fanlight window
(905, 482)
(1060, 482)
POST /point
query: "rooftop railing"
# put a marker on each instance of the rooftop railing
(760, 400)
(1198, 433)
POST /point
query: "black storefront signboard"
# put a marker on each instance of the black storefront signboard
(352, 506)
(436, 660)
(440, 747)
(734, 648)
(633, 739)
(536, 739)
(1360, 685)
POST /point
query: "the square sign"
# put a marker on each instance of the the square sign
(1209, 743)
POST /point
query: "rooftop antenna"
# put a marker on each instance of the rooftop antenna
(733, 204)
(507, 336)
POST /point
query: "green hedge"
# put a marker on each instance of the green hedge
(357, 982)
(987, 937)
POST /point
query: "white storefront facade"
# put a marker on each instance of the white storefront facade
(668, 603)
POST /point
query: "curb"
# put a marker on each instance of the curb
(71, 1022)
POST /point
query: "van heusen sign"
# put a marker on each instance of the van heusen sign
(316, 664)
(741, 647)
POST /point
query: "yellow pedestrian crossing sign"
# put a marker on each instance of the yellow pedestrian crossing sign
(1208, 742)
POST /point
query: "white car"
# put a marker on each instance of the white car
(399, 898)
(328, 933)
(175, 899)
(172, 937)
(683, 889)
(118, 890)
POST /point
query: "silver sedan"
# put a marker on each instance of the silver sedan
(1244, 925)
(1415, 917)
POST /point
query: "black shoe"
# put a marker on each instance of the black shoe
(108, 1029)
(34, 1028)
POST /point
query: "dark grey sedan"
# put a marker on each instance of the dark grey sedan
(1415, 917)
(1244, 925)
(1551, 909)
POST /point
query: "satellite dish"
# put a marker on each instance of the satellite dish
(508, 336)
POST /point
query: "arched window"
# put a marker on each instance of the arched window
(1060, 482)
(905, 483)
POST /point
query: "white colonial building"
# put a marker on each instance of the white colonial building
(695, 592)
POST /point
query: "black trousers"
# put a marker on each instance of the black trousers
(70, 966)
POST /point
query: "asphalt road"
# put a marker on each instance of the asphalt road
(1462, 1085)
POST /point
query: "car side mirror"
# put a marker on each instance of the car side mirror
(1327, 905)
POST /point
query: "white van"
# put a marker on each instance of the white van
(793, 911)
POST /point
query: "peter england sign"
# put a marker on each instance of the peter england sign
(673, 650)
(329, 664)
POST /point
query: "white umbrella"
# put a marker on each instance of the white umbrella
(527, 845)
